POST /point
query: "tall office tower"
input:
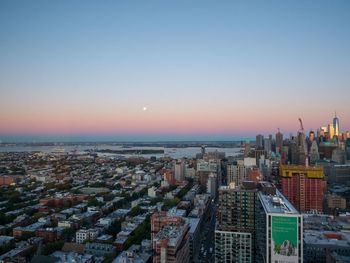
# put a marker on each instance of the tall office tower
(267, 145)
(279, 233)
(303, 186)
(170, 238)
(259, 141)
(179, 170)
(236, 173)
(336, 125)
(314, 154)
(330, 131)
(347, 147)
(279, 142)
(235, 226)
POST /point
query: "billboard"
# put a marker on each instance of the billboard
(284, 243)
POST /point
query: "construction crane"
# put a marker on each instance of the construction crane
(301, 125)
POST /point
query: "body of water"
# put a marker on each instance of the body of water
(188, 152)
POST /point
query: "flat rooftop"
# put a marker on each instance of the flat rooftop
(194, 223)
(171, 233)
(327, 238)
(276, 204)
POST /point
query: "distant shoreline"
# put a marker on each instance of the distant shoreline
(165, 144)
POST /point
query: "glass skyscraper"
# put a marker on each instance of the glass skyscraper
(336, 125)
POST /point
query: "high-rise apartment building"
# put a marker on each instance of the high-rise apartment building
(205, 168)
(279, 236)
(179, 171)
(235, 226)
(237, 173)
(256, 223)
(303, 186)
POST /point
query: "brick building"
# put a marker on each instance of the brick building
(304, 186)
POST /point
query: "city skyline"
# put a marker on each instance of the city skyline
(186, 71)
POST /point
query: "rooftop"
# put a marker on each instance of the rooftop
(194, 223)
(276, 204)
(327, 238)
(171, 233)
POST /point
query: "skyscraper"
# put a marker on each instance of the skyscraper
(267, 145)
(336, 125)
(314, 154)
(279, 142)
(259, 141)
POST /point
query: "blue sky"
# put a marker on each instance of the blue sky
(201, 67)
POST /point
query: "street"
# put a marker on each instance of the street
(206, 254)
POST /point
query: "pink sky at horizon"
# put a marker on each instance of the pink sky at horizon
(150, 122)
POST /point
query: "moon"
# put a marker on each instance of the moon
(144, 108)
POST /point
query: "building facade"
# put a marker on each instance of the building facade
(280, 237)
(235, 227)
(304, 186)
(170, 238)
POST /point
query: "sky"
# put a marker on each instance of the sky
(172, 69)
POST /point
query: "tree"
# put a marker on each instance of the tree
(169, 203)
(49, 248)
(93, 202)
(136, 210)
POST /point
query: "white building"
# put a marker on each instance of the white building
(86, 234)
(207, 166)
(212, 184)
(237, 173)
(105, 222)
(64, 224)
(249, 161)
(152, 192)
